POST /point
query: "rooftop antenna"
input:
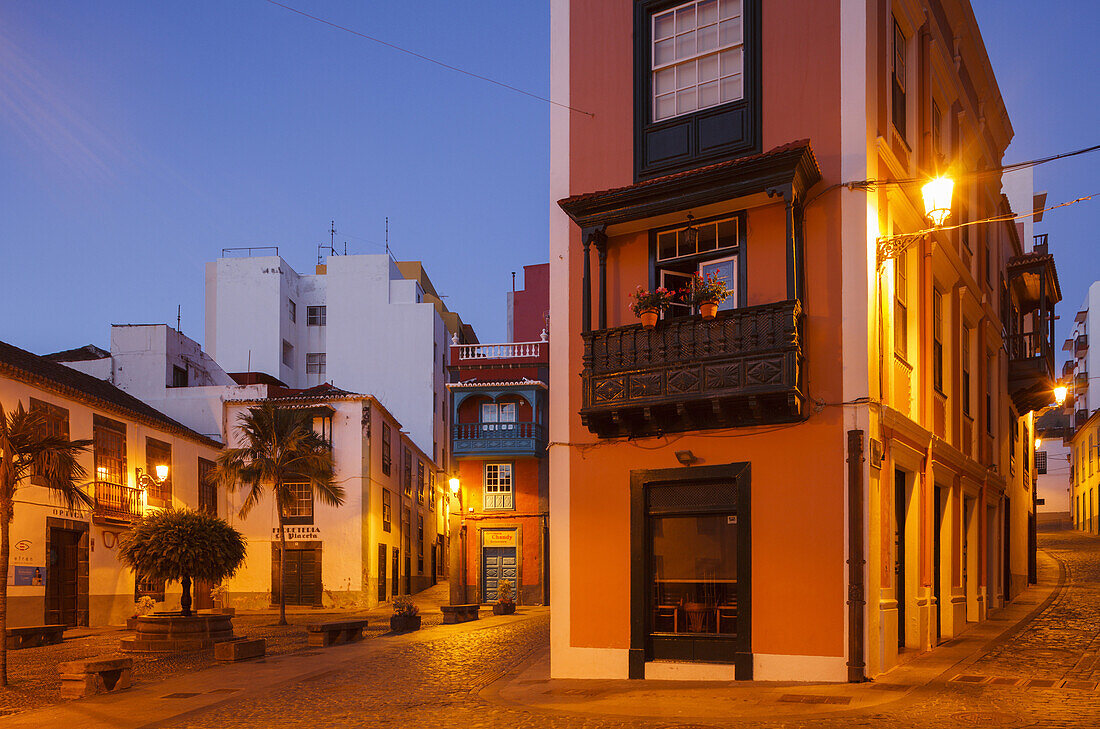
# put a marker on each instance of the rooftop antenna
(513, 282)
(387, 235)
(179, 307)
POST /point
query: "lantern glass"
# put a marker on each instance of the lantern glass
(162, 472)
(454, 482)
(937, 199)
(1060, 393)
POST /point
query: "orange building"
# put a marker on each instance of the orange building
(499, 406)
(837, 468)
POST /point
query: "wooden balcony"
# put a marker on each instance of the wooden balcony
(116, 504)
(498, 439)
(1030, 370)
(743, 368)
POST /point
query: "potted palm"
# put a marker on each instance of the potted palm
(706, 294)
(505, 604)
(648, 305)
(406, 615)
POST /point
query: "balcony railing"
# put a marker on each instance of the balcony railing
(116, 502)
(498, 439)
(743, 368)
(1031, 370)
(1081, 345)
(511, 350)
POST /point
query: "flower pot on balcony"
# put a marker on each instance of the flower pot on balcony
(708, 309)
(649, 318)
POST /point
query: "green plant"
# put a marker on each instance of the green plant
(217, 593)
(279, 447)
(658, 300)
(404, 606)
(28, 452)
(505, 593)
(144, 606)
(701, 290)
(179, 545)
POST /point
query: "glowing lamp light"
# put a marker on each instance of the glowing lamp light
(1038, 443)
(1060, 393)
(937, 199)
(454, 482)
(162, 471)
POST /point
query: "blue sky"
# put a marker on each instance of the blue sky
(139, 139)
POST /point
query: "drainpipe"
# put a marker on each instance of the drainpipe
(856, 588)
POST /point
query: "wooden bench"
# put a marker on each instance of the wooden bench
(240, 650)
(322, 635)
(35, 635)
(459, 613)
(99, 675)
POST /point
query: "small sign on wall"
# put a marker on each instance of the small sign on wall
(498, 537)
(25, 576)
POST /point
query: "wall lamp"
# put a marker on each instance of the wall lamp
(145, 481)
(686, 458)
(937, 207)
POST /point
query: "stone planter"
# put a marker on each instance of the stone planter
(404, 623)
(171, 632)
(227, 611)
(131, 623)
(504, 608)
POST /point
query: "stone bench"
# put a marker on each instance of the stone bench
(35, 635)
(99, 675)
(459, 613)
(240, 650)
(322, 635)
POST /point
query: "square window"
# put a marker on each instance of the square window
(315, 363)
(299, 506)
(498, 486)
(316, 316)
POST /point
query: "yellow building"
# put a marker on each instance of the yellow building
(1084, 448)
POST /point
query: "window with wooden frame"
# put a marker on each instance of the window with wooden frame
(54, 420)
(937, 133)
(109, 450)
(937, 340)
(498, 486)
(386, 455)
(298, 508)
(387, 509)
(897, 96)
(420, 544)
(697, 83)
(431, 489)
(710, 248)
(147, 587)
(1041, 462)
(406, 476)
(965, 365)
(158, 453)
(420, 482)
(208, 488)
(990, 362)
(901, 306)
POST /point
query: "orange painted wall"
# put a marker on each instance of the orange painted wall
(797, 471)
(526, 517)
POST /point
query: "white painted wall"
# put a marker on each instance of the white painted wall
(380, 338)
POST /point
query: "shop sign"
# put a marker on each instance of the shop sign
(498, 537)
(298, 532)
(23, 545)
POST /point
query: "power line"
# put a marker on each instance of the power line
(428, 58)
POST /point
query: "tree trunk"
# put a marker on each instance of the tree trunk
(185, 600)
(5, 555)
(282, 567)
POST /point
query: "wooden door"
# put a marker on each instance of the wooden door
(382, 572)
(61, 577)
(201, 599)
(301, 579)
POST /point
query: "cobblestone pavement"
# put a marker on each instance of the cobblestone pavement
(439, 683)
(34, 680)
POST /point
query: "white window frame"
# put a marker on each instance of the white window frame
(685, 92)
(302, 505)
(498, 490)
(316, 316)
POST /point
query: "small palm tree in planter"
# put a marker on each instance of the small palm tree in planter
(647, 305)
(505, 604)
(706, 294)
(406, 615)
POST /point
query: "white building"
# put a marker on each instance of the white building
(64, 562)
(364, 323)
(1083, 369)
(386, 539)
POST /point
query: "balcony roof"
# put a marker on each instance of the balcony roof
(476, 384)
(788, 164)
(1027, 270)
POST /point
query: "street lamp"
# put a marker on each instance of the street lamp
(937, 199)
(145, 481)
(1060, 393)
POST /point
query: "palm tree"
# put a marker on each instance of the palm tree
(180, 544)
(279, 448)
(27, 450)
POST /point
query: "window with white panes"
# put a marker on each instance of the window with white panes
(492, 414)
(316, 316)
(697, 57)
(316, 363)
(299, 506)
(498, 486)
